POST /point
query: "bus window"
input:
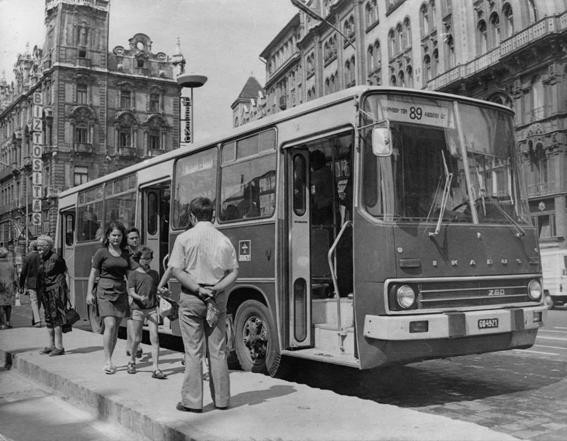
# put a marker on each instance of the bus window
(120, 204)
(299, 185)
(153, 212)
(195, 176)
(89, 214)
(248, 181)
(69, 229)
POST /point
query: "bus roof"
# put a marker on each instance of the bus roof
(308, 107)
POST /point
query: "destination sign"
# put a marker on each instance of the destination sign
(425, 114)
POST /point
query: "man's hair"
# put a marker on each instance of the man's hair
(143, 253)
(202, 208)
(132, 230)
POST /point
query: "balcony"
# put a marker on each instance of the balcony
(543, 28)
(82, 147)
(127, 152)
(283, 102)
(542, 189)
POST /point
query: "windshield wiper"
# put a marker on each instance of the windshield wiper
(519, 230)
(444, 198)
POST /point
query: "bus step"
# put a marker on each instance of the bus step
(328, 339)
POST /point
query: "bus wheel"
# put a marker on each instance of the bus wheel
(256, 339)
(97, 324)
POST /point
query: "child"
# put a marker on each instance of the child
(142, 288)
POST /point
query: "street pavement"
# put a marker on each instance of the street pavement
(262, 408)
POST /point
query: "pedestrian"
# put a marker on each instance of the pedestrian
(7, 288)
(204, 262)
(28, 280)
(111, 264)
(142, 288)
(53, 290)
(132, 245)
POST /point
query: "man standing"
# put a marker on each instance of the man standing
(132, 244)
(28, 280)
(204, 262)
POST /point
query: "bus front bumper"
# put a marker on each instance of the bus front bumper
(453, 324)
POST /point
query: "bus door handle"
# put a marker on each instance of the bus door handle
(330, 255)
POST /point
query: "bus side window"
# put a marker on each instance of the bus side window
(69, 229)
(299, 185)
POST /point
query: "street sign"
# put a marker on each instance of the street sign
(36, 219)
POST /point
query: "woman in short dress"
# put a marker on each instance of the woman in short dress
(111, 264)
(53, 291)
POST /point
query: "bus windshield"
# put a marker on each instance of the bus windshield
(428, 175)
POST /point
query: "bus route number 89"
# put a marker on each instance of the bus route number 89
(415, 112)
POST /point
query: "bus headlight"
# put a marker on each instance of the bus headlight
(405, 296)
(534, 290)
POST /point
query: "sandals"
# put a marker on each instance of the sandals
(109, 369)
(159, 375)
(131, 369)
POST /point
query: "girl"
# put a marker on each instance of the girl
(111, 263)
(142, 288)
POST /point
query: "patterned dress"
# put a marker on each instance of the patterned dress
(7, 279)
(52, 288)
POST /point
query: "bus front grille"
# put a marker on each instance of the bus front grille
(454, 294)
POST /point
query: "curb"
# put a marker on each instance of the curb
(100, 405)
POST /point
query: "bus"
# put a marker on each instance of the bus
(372, 226)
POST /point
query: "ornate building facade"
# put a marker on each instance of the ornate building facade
(83, 111)
(513, 52)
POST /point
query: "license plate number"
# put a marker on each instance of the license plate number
(488, 323)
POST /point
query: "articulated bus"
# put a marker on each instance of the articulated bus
(372, 226)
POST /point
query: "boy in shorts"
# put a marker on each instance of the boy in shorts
(142, 288)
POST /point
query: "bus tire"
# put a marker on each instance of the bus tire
(256, 340)
(95, 320)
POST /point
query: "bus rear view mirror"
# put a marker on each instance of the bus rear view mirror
(381, 141)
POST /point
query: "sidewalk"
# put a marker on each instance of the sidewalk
(262, 408)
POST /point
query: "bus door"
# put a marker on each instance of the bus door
(320, 213)
(155, 222)
(68, 253)
(299, 250)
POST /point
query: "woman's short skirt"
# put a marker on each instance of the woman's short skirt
(113, 308)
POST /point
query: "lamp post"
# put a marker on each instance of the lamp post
(191, 81)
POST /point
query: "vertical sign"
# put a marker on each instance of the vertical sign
(37, 161)
(185, 120)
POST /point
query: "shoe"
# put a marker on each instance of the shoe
(221, 407)
(131, 368)
(109, 369)
(139, 353)
(37, 325)
(47, 350)
(128, 353)
(57, 351)
(182, 408)
(159, 375)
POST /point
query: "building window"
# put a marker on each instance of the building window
(481, 38)
(494, 30)
(406, 34)
(508, 20)
(424, 18)
(450, 51)
(154, 102)
(371, 12)
(80, 175)
(82, 53)
(81, 135)
(532, 12)
(426, 69)
(154, 140)
(82, 93)
(124, 137)
(125, 99)
(140, 62)
(391, 43)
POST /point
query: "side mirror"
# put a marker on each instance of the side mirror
(381, 141)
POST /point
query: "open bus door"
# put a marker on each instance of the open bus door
(155, 224)
(68, 253)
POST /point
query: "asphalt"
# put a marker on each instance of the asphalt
(262, 408)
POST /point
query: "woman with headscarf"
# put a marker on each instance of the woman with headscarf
(7, 288)
(53, 292)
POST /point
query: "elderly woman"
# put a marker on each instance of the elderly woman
(53, 291)
(7, 288)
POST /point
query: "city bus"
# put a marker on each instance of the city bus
(372, 226)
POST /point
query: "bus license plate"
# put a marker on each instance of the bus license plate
(488, 323)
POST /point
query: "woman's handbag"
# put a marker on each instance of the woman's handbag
(71, 316)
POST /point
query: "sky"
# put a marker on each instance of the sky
(221, 39)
